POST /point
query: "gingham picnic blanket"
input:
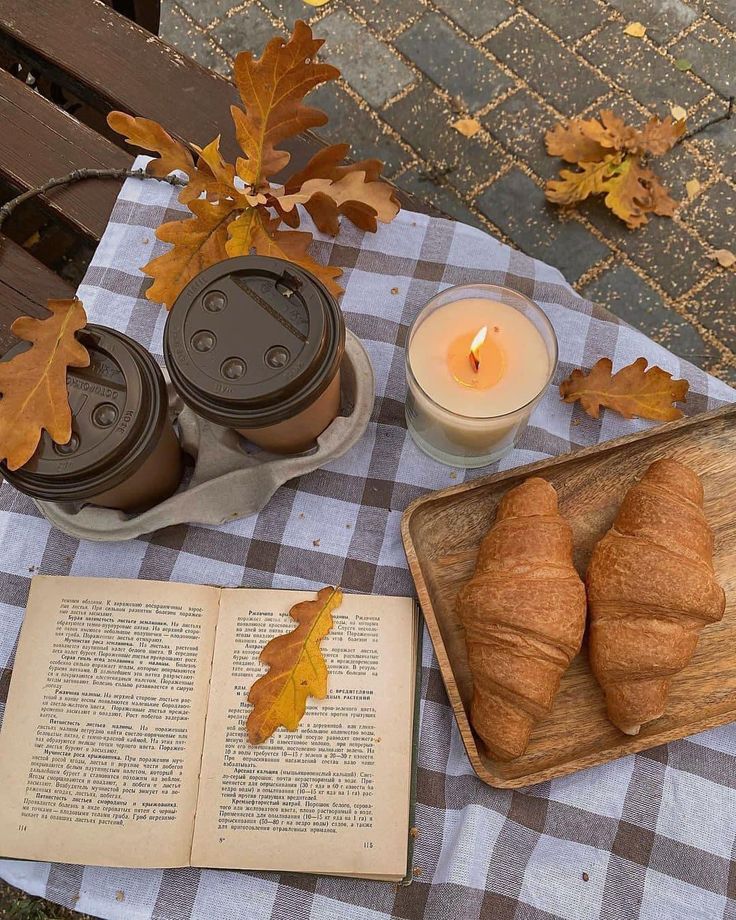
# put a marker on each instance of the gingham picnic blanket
(648, 836)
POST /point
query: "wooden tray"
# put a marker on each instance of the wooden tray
(441, 535)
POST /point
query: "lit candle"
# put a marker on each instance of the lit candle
(478, 359)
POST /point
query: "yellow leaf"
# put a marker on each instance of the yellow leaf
(572, 187)
(272, 89)
(33, 383)
(296, 669)
(316, 2)
(241, 233)
(636, 29)
(692, 187)
(678, 113)
(724, 257)
(633, 392)
(468, 127)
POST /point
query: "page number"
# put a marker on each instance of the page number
(367, 844)
(22, 827)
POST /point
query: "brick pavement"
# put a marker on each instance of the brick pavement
(412, 67)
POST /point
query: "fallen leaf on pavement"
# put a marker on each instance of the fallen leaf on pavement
(683, 64)
(633, 392)
(636, 29)
(678, 113)
(724, 257)
(468, 127)
(692, 187)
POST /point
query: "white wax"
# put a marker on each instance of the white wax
(527, 364)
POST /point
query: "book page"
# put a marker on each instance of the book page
(101, 743)
(332, 796)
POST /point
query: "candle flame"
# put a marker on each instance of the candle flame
(475, 347)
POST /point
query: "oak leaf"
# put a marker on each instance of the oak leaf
(197, 243)
(235, 209)
(612, 159)
(292, 245)
(296, 669)
(572, 144)
(633, 392)
(468, 127)
(272, 89)
(33, 383)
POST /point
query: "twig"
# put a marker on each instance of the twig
(76, 176)
(728, 114)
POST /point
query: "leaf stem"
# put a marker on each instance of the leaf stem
(78, 175)
(725, 116)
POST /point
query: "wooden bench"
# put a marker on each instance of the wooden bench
(101, 61)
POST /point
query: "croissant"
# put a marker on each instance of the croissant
(524, 617)
(651, 590)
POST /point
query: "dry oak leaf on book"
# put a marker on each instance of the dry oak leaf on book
(633, 392)
(612, 161)
(296, 669)
(235, 208)
(33, 383)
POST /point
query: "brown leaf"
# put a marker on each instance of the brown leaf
(633, 392)
(724, 257)
(272, 89)
(468, 127)
(363, 201)
(657, 137)
(572, 144)
(610, 132)
(296, 669)
(293, 245)
(33, 383)
(149, 135)
(197, 243)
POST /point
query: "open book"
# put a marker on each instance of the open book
(124, 743)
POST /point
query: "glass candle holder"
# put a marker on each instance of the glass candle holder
(468, 403)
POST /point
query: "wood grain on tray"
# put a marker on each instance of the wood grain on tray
(441, 535)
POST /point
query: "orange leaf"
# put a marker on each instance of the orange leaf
(611, 131)
(33, 383)
(149, 135)
(633, 190)
(197, 242)
(361, 200)
(572, 144)
(272, 89)
(292, 245)
(657, 137)
(296, 669)
(633, 392)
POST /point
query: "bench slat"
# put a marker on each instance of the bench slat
(25, 286)
(114, 64)
(43, 142)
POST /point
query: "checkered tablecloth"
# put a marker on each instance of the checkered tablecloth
(649, 836)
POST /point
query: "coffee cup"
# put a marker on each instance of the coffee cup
(255, 343)
(123, 452)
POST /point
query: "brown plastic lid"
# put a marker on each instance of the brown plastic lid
(253, 341)
(119, 408)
